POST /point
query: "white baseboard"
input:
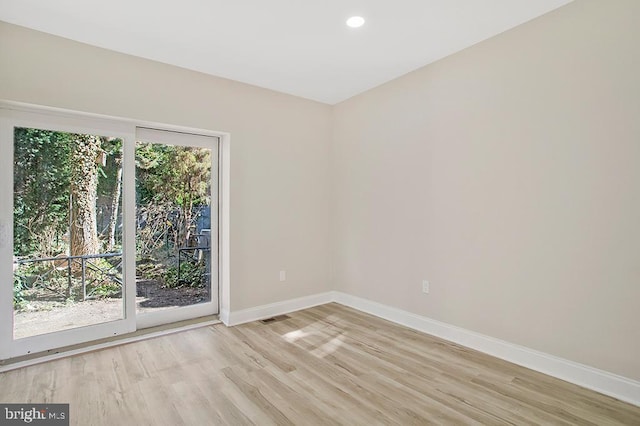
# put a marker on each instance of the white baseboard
(279, 308)
(591, 378)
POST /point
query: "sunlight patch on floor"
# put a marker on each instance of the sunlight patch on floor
(329, 347)
(294, 335)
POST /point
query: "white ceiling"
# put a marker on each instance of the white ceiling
(298, 47)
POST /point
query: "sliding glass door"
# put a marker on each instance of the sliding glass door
(176, 226)
(104, 228)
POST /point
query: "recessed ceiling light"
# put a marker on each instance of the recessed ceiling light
(355, 21)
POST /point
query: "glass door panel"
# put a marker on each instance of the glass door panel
(64, 240)
(176, 225)
(67, 239)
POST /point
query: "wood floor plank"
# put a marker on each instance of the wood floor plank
(328, 365)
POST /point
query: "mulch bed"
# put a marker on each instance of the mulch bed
(156, 296)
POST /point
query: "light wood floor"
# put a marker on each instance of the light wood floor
(325, 365)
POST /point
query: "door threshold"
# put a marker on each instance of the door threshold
(142, 334)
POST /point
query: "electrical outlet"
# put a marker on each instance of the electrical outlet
(425, 286)
(283, 275)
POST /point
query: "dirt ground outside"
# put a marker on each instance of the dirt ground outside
(46, 316)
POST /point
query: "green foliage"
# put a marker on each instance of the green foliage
(42, 179)
(150, 268)
(171, 182)
(41, 193)
(108, 173)
(101, 276)
(191, 275)
(175, 174)
(106, 289)
(31, 280)
(19, 287)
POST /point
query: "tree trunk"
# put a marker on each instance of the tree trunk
(115, 205)
(84, 184)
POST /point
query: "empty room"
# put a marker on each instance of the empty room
(346, 212)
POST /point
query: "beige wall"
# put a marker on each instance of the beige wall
(509, 176)
(279, 148)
